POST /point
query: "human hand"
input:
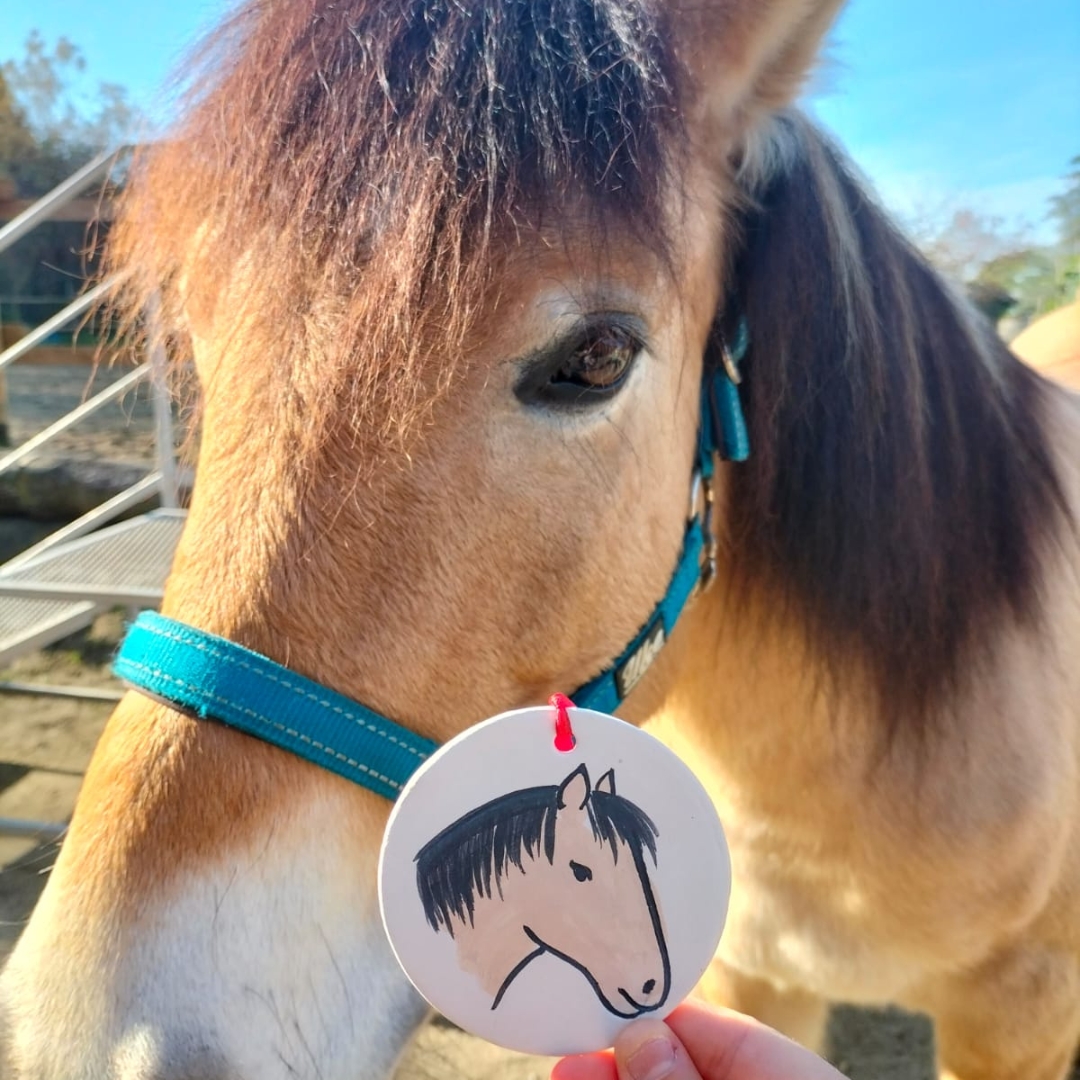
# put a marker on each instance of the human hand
(698, 1043)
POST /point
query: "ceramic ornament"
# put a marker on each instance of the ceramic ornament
(543, 891)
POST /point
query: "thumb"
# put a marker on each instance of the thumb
(650, 1050)
(699, 1043)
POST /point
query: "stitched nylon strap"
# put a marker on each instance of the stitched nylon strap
(606, 692)
(213, 678)
(216, 679)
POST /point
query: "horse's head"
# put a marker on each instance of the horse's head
(592, 903)
(450, 273)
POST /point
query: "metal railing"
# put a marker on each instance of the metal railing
(32, 830)
(93, 172)
(108, 511)
(42, 333)
(87, 408)
(163, 480)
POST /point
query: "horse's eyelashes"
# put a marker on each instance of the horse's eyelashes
(582, 873)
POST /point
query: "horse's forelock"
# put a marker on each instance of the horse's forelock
(471, 856)
(353, 161)
(901, 488)
(615, 819)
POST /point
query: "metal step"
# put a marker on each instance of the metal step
(62, 590)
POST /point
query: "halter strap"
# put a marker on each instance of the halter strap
(212, 678)
(215, 679)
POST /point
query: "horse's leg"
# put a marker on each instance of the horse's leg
(798, 1014)
(1016, 1015)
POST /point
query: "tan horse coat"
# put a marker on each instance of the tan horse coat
(881, 689)
(1051, 345)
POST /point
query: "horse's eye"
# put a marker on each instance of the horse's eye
(582, 873)
(601, 362)
(587, 366)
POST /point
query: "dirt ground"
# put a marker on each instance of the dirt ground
(45, 744)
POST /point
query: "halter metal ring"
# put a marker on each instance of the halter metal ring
(697, 486)
(730, 367)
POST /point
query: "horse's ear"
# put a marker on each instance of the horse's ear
(606, 783)
(748, 58)
(574, 791)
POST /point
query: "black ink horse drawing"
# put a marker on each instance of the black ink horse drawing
(559, 870)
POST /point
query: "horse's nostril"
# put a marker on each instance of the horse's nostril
(649, 987)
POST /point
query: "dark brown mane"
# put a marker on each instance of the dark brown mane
(901, 489)
(352, 160)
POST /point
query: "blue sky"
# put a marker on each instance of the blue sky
(942, 103)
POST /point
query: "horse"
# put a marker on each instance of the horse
(1051, 344)
(452, 276)
(558, 838)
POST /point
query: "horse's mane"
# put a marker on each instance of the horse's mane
(902, 487)
(340, 170)
(472, 855)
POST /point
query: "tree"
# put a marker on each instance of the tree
(16, 141)
(1003, 270)
(1038, 280)
(41, 89)
(1065, 209)
(45, 135)
(966, 242)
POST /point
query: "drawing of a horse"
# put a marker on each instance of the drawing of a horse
(557, 839)
(451, 275)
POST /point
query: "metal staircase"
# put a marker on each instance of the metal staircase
(63, 583)
(61, 589)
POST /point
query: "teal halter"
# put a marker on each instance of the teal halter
(215, 679)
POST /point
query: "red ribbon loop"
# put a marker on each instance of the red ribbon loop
(564, 733)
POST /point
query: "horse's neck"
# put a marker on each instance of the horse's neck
(739, 694)
(735, 698)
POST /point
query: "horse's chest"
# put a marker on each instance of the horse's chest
(802, 924)
(830, 902)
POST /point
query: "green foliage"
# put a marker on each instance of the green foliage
(1065, 209)
(40, 114)
(993, 301)
(16, 140)
(1004, 271)
(1038, 280)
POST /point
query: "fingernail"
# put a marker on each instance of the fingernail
(652, 1060)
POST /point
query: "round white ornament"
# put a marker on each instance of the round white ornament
(545, 898)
